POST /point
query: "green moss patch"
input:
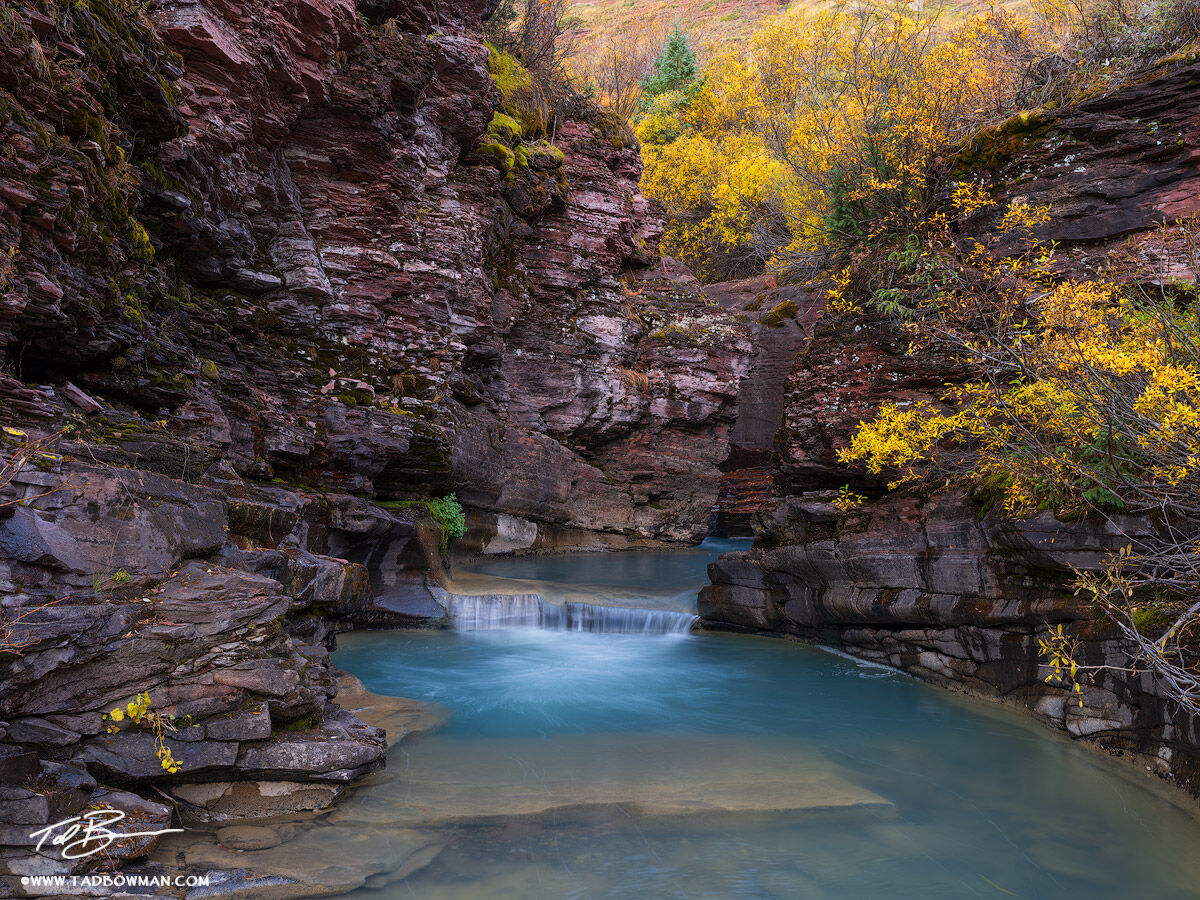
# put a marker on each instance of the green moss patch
(508, 73)
(780, 314)
(993, 147)
(613, 128)
(504, 157)
(541, 157)
(505, 129)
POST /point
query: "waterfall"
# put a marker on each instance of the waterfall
(491, 612)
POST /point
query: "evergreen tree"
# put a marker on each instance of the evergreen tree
(674, 68)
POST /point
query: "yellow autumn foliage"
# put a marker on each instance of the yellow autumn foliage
(823, 129)
(139, 712)
(1088, 396)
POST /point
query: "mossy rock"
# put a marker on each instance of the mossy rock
(780, 314)
(505, 129)
(613, 128)
(541, 157)
(522, 100)
(504, 157)
(993, 147)
(674, 332)
(140, 247)
(1150, 620)
(508, 73)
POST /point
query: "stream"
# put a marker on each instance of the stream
(613, 754)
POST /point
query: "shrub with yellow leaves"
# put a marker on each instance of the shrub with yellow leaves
(828, 128)
(138, 711)
(847, 499)
(1060, 651)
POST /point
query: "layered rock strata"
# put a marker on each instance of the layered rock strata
(296, 258)
(780, 321)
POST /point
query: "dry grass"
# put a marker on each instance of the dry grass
(712, 25)
(636, 381)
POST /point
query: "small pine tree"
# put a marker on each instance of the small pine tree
(674, 67)
(498, 28)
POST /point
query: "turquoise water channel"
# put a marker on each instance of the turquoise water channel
(589, 764)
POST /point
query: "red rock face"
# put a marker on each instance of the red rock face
(258, 266)
(343, 294)
(781, 321)
(1110, 166)
(852, 365)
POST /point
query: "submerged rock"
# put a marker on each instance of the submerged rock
(578, 777)
(404, 820)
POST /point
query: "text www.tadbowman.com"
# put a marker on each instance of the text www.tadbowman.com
(114, 880)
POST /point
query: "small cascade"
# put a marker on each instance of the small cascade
(492, 612)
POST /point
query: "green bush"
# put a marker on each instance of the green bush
(449, 515)
(446, 511)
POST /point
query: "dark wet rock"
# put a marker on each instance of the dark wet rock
(140, 815)
(243, 725)
(101, 528)
(28, 538)
(412, 604)
(131, 756)
(21, 806)
(338, 748)
(36, 799)
(237, 801)
(17, 764)
(40, 731)
(209, 646)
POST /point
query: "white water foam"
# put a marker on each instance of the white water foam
(492, 612)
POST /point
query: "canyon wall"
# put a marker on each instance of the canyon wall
(280, 239)
(780, 320)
